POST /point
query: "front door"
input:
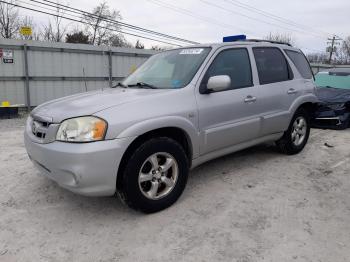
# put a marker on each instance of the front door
(231, 116)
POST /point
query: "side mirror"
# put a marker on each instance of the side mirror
(218, 83)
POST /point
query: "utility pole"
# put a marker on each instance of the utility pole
(331, 49)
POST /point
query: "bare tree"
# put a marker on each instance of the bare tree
(320, 58)
(55, 30)
(118, 40)
(139, 45)
(102, 25)
(9, 20)
(157, 48)
(345, 50)
(162, 48)
(281, 37)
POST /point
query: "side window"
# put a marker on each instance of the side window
(272, 65)
(232, 62)
(300, 63)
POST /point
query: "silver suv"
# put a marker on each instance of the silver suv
(181, 108)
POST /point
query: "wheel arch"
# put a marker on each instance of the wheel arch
(173, 132)
(310, 107)
(308, 102)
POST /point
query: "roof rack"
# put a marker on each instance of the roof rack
(268, 41)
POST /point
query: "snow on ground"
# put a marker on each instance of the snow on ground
(254, 205)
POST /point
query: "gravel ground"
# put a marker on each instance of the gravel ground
(254, 205)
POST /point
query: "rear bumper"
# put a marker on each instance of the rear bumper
(87, 168)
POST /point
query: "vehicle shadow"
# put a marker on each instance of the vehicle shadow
(240, 159)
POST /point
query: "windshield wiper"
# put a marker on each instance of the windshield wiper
(327, 86)
(142, 85)
(120, 85)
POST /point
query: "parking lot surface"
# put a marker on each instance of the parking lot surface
(254, 205)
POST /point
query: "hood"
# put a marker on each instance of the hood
(89, 103)
(330, 95)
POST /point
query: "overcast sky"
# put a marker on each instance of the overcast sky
(219, 18)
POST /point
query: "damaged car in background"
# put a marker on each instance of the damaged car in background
(333, 91)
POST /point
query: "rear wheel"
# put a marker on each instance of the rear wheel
(155, 175)
(297, 135)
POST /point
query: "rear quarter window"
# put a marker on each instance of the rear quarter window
(300, 63)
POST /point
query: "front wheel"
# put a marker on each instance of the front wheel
(297, 135)
(155, 175)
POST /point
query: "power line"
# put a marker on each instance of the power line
(79, 17)
(194, 15)
(79, 11)
(79, 21)
(172, 7)
(208, 20)
(189, 13)
(271, 16)
(67, 8)
(253, 18)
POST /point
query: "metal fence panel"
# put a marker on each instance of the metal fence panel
(124, 66)
(60, 69)
(12, 91)
(16, 69)
(42, 91)
(67, 64)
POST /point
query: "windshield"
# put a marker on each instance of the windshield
(331, 79)
(169, 69)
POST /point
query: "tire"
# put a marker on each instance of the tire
(295, 138)
(149, 187)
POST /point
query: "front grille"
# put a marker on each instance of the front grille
(39, 128)
(40, 135)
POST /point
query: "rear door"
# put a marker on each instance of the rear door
(305, 79)
(231, 116)
(277, 86)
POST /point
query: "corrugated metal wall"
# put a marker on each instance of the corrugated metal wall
(58, 69)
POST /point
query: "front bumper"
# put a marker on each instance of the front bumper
(85, 168)
(331, 117)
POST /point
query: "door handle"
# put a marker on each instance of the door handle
(250, 99)
(292, 91)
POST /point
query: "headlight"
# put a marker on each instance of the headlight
(338, 106)
(82, 129)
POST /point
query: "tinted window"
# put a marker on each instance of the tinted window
(272, 65)
(234, 63)
(300, 63)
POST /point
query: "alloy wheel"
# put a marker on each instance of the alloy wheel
(158, 175)
(299, 131)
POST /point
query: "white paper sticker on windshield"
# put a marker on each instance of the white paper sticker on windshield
(191, 51)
